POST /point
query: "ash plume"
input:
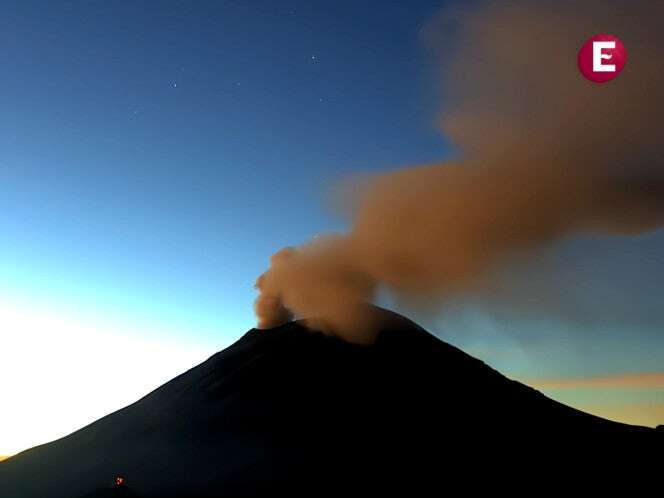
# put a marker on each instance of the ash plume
(543, 155)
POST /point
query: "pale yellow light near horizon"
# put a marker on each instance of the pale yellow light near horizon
(614, 404)
(60, 372)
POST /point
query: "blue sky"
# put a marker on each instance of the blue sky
(153, 155)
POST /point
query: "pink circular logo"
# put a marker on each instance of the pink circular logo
(602, 58)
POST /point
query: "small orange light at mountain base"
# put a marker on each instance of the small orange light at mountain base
(119, 481)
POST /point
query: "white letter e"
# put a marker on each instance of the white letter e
(598, 67)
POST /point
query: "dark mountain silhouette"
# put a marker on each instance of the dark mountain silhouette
(290, 412)
(111, 492)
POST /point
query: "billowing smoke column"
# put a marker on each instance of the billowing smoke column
(543, 154)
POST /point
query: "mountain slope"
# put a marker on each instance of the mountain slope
(288, 410)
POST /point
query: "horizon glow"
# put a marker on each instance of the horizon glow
(60, 372)
(153, 155)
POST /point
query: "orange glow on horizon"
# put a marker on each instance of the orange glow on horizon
(643, 380)
(585, 393)
(646, 414)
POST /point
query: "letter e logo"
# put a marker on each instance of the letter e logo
(602, 58)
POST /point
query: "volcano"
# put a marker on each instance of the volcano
(293, 412)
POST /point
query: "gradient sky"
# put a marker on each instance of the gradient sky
(153, 155)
